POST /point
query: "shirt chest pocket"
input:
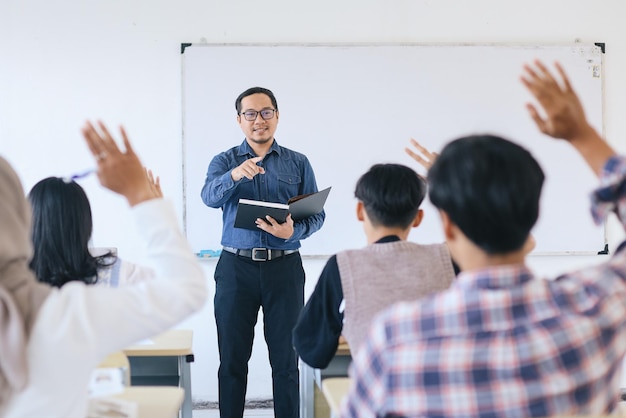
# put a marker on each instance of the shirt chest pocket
(288, 186)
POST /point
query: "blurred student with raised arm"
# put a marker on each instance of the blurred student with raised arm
(64, 333)
(61, 230)
(357, 284)
(500, 341)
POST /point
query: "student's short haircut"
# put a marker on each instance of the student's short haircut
(490, 188)
(255, 90)
(391, 194)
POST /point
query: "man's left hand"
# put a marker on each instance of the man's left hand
(284, 230)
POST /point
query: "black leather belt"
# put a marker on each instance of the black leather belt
(259, 254)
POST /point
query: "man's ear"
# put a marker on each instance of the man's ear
(418, 218)
(238, 118)
(360, 211)
(529, 245)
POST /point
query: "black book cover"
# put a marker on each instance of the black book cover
(300, 207)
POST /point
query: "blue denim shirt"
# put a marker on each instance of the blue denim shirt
(287, 174)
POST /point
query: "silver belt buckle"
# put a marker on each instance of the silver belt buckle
(266, 254)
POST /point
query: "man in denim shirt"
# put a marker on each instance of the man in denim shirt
(259, 268)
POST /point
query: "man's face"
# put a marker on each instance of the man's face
(259, 131)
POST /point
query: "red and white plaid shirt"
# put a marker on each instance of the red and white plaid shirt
(501, 342)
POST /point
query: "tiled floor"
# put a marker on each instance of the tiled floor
(214, 413)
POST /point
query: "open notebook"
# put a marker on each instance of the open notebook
(300, 207)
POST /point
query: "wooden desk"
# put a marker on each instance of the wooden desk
(309, 377)
(335, 389)
(154, 401)
(118, 360)
(164, 363)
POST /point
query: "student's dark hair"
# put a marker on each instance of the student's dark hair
(391, 194)
(61, 230)
(255, 90)
(490, 188)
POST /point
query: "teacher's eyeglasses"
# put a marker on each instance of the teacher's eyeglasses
(251, 115)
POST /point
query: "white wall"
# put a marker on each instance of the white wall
(64, 61)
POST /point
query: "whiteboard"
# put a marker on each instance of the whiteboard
(350, 106)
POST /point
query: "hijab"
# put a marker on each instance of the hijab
(20, 293)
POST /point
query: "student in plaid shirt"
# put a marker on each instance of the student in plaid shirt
(500, 342)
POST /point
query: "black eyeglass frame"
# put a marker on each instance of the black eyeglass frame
(257, 113)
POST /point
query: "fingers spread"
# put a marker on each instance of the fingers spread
(127, 145)
(567, 85)
(419, 147)
(92, 138)
(106, 140)
(541, 124)
(414, 155)
(423, 156)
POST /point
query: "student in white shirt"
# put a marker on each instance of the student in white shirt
(52, 338)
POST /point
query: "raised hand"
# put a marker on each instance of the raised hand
(422, 155)
(119, 171)
(155, 183)
(564, 114)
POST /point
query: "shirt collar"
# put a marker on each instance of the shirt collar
(495, 277)
(388, 238)
(246, 149)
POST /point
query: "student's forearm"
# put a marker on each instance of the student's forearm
(594, 150)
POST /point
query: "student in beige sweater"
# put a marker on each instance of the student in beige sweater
(357, 284)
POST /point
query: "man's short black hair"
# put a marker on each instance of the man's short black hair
(255, 90)
(391, 194)
(490, 188)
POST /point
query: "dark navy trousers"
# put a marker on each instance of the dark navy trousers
(242, 286)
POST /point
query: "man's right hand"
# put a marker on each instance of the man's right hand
(247, 169)
(564, 114)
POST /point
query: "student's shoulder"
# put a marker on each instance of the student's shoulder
(402, 247)
(399, 323)
(436, 247)
(330, 272)
(430, 251)
(424, 317)
(332, 260)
